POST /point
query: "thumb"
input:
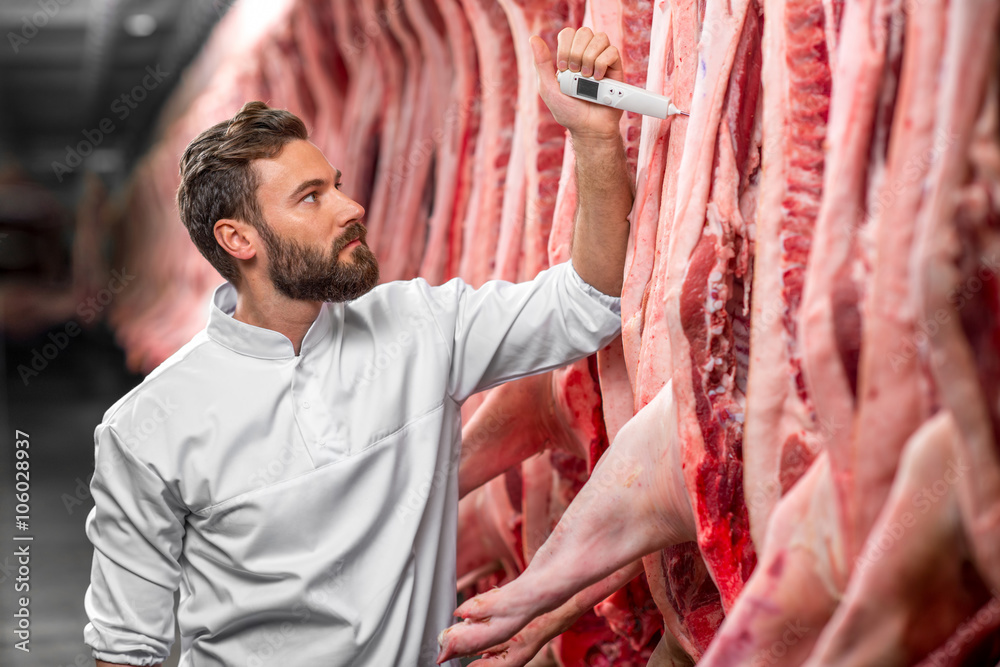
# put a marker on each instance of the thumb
(543, 64)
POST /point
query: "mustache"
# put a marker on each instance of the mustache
(354, 232)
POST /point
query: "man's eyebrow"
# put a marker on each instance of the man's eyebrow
(312, 183)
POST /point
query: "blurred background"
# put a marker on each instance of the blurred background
(84, 91)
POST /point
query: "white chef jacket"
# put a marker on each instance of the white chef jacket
(306, 506)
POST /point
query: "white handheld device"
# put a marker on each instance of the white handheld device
(616, 94)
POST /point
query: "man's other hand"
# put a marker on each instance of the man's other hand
(591, 55)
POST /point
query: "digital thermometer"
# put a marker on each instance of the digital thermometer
(616, 94)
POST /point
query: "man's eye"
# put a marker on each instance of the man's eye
(337, 185)
(311, 194)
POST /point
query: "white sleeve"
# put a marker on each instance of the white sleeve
(137, 528)
(503, 331)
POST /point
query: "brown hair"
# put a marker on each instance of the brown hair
(218, 180)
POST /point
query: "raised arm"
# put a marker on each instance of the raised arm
(605, 191)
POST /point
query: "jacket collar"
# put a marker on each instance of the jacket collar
(256, 341)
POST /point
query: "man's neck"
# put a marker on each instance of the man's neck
(268, 309)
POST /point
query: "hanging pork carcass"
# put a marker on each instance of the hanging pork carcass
(871, 537)
(802, 406)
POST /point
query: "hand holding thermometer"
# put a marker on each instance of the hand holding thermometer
(616, 94)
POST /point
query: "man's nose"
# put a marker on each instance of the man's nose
(356, 214)
(349, 213)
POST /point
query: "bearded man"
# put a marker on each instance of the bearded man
(292, 470)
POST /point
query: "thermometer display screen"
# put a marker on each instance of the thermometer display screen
(587, 88)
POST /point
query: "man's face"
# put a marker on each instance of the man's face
(312, 234)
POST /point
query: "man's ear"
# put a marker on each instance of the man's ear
(237, 238)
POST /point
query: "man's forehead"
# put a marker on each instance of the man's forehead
(295, 153)
(298, 161)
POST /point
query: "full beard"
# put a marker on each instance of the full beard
(307, 274)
